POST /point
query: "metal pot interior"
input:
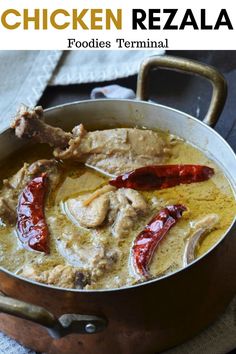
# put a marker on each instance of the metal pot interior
(100, 114)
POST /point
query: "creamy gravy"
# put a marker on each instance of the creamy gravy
(73, 245)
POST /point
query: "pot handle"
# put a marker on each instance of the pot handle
(217, 80)
(57, 328)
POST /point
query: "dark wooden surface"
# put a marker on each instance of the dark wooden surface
(184, 92)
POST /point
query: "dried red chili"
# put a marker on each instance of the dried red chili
(147, 240)
(162, 176)
(32, 229)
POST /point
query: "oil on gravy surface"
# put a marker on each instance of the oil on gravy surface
(212, 196)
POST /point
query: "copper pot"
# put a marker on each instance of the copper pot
(152, 316)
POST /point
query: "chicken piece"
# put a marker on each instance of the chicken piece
(93, 258)
(115, 151)
(68, 276)
(89, 252)
(88, 216)
(112, 151)
(89, 210)
(200, 228)
(126, 205)
(64, 276)
(29, 123)
(12, 187)
(135, 199)
(120, 208)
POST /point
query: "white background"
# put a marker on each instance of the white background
(177, 39)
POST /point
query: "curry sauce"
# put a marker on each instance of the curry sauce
(80, 248)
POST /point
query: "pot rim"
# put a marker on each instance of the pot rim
(151, 281)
